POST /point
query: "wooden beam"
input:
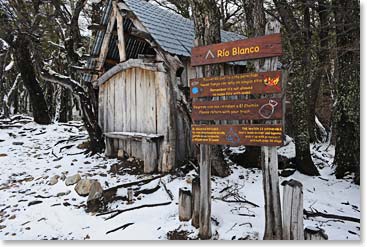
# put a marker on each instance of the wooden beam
(97, 27)
(123, 6)
(111, 61)
(131, 63)
(120, 33)
(106, 40)
(140, 34)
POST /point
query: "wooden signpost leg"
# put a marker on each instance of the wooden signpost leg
(195, 202)
(269, 163)
(273, 215)
(205, 231)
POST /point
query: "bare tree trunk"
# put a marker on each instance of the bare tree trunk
(207, 29)
(347, 114)
(299, 81)
(322, 67)
(255, 25)
(88, 113)
(25, 66)
(66, 105)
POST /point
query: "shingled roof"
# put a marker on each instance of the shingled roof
(174, 33)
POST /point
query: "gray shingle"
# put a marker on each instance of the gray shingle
(174, 33)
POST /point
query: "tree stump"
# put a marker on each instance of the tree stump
(292, 210)
(195, 202)
(313, 233)
(184, 204)
(130, 195)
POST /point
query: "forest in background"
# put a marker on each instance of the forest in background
(44, 46)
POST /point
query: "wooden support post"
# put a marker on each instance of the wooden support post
(184, 204)
(120, 153)
(269, 164)
(150, 154)
(292, 210)
(120, 33)
(109, 147)
(205, 231)
(312, 233)
(195, 190)
(273, 215)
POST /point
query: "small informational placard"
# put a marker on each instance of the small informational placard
(240, 84)
(236, 135)
(255, 109)
(259, 47)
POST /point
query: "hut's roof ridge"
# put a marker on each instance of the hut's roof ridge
(173, 32)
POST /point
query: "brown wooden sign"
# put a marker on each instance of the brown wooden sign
(240, 84)
(259, 47)
(236, 135)
(254, 109)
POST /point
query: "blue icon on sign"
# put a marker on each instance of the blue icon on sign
(195, 90)
(233, 137)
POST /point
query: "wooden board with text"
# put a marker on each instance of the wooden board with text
(256, 84)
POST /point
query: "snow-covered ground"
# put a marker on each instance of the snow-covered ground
(32, 154)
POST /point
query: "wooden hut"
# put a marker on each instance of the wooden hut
(141, 53)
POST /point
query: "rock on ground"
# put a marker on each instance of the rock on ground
(83, 187)
(54, 180)
(95, 198)
(72, 179)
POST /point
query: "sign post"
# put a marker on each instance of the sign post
(267, 135)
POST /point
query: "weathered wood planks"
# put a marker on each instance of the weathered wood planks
(135, 100)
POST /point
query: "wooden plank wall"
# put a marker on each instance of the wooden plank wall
(129, 104)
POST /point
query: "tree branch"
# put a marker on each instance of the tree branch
(330, 216)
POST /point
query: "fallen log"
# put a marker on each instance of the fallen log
(10, 126)
(117, 212)
(248, 215)
(110, 193)
(316, 213)
(123, 227)
(66, 147)
(169, 193)
(147, 191)
(42, 197)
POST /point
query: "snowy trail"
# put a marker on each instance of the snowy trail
(29, 157)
